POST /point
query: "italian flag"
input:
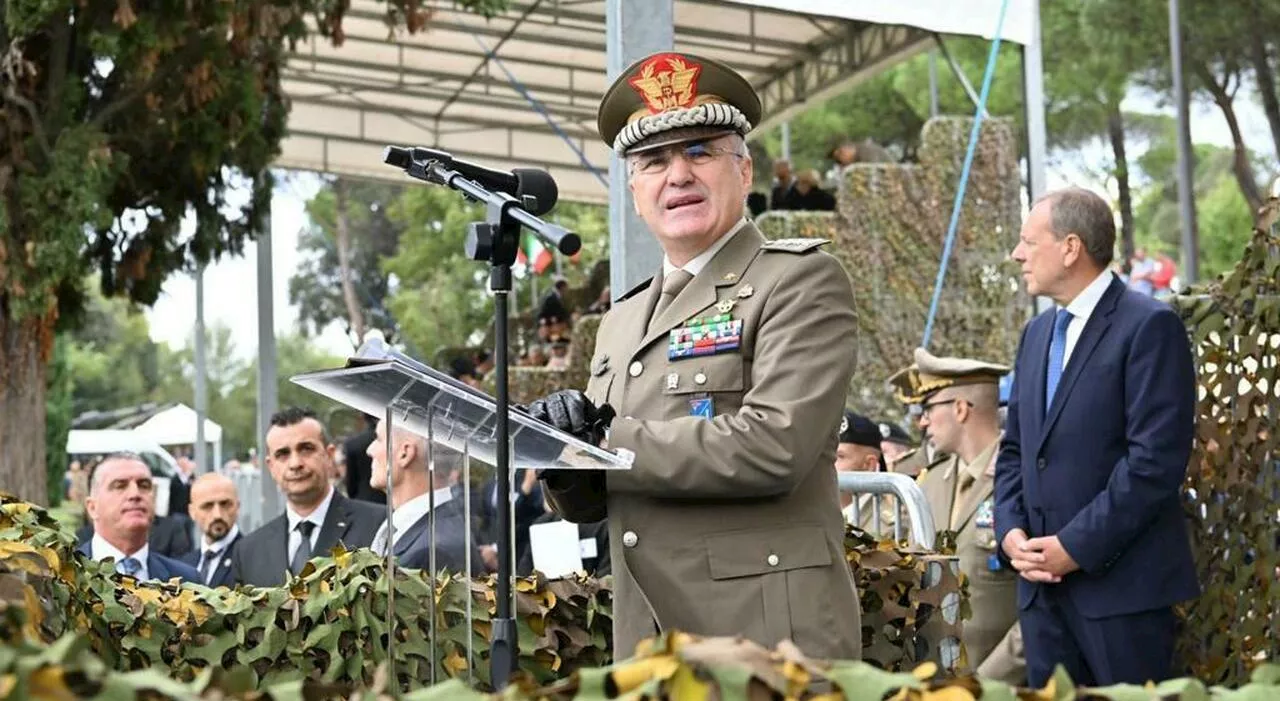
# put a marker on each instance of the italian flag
(533, 254)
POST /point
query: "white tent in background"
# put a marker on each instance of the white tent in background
(177, 426)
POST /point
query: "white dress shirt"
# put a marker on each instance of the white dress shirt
(699, 262)
(102, 550)
(1081, 309)
(220, 546)
(406, 515)
(316, 517)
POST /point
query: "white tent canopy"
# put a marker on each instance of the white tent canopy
(177, 426)
(522, 88)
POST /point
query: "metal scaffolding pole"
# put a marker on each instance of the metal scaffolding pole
(633, 30)
(1186, 158)
(202, 384)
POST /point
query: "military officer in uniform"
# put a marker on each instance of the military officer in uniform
(959, 413)
(727, 372)
(859, 451)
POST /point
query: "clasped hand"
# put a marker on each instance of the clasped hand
(1038, 559)
(570, 411)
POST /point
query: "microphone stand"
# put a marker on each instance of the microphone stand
(497, 241)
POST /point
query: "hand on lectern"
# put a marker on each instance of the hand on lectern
(570, 411)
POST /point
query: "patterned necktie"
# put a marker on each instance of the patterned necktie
(129, 566)
(672, 284)
(303, 553)
(210, 564)
(1057, 351)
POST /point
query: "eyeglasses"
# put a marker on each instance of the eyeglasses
(696, 153)
(924, 408)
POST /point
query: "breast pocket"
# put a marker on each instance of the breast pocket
(600, 383)
(712, 384)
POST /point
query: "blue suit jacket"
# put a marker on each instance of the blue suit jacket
(1102, 469)
(160, 568)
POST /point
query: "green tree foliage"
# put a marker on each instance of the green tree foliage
(441, 300)
(1224, 216)
(112, 358)
(119, 122)
(340, 279)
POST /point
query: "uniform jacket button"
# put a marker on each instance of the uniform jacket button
(1041, 463)
(772, 560)
(630, 539)
(636, 368)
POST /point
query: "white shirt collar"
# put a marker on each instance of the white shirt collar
(221, 544)
(1083, 305)
(316, 517)
(417, 507)
(101, 550)
(696, 265)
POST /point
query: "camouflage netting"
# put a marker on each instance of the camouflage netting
(330, 623)
(528, 384)
(675, 666)
(1233, 486)
(889, 228)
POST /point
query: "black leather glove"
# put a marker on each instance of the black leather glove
(570, 411)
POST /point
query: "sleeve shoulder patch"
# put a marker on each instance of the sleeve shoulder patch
(794, 245)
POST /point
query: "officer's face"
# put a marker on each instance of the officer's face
(1043, 256)
(939, 423)
(692, 193)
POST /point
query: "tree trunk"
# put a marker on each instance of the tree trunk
(1243, 170)
(22, 410)
(355, 315)
(1266, 81)
(1115, 130)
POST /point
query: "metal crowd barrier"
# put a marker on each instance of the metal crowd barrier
(249, 489)
(907, 497)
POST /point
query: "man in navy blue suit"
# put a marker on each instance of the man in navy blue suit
(121, 504)
(1099, 431)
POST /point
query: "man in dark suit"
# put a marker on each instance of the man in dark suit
(215, 506)
(411, 495)
(1099, 429)
(358, 467)
(121, 505)
(316, 518)
(553, 307)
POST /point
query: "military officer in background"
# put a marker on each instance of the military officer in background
(959, 413)
(727, 371)
(859, 451)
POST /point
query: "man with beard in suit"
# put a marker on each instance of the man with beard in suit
(316, 518)
(215, 506)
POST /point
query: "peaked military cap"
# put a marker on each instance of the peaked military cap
(671, 97)
(929, 374)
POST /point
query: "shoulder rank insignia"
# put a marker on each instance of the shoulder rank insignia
(794, 245)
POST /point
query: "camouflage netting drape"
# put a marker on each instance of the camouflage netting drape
(1233, 484)
(889, 229)
(330, 623)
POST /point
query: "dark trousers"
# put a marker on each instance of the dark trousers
(1132, 648)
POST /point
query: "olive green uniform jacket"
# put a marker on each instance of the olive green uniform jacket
(728, 523)
(992, 592)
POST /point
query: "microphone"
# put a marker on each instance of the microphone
(519, 182)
